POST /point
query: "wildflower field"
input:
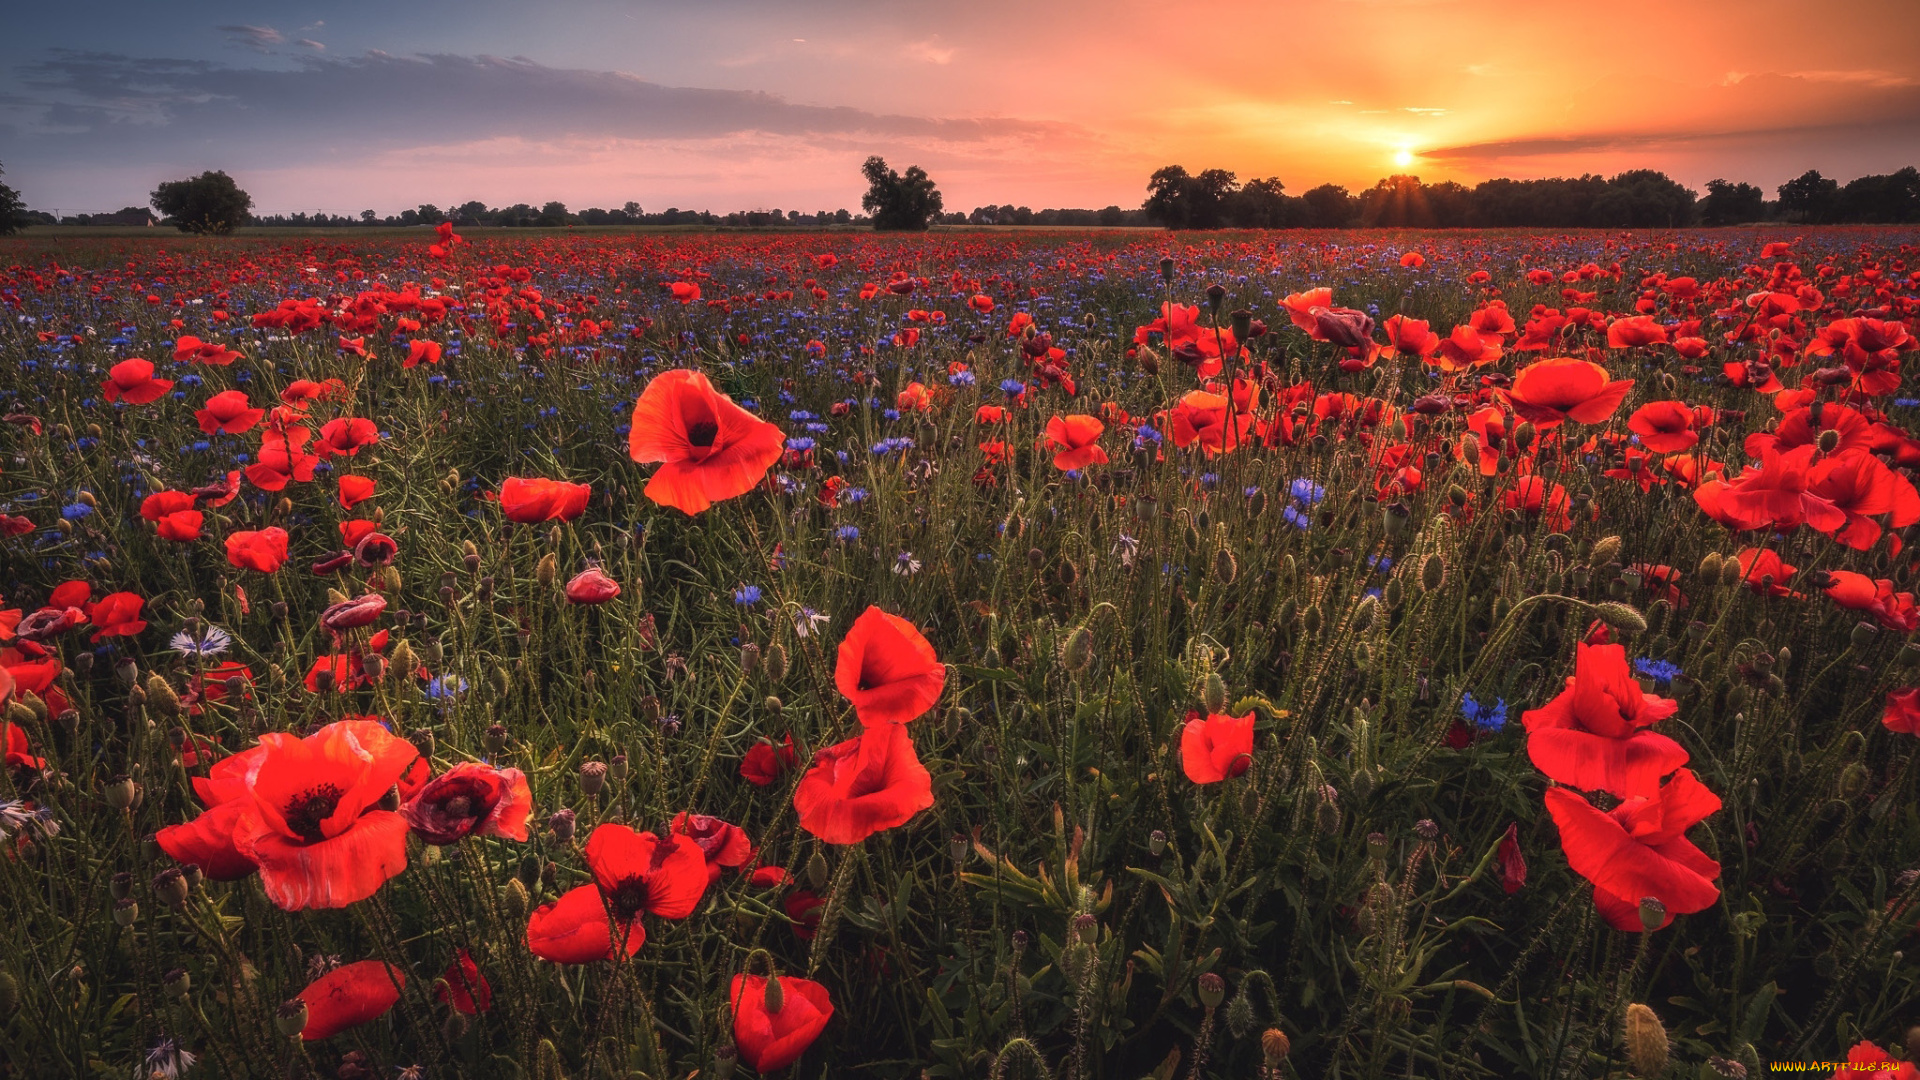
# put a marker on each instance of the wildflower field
(967, 655)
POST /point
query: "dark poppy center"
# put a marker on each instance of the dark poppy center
(309, 808)
(702, 432)
(459, 807)
(628, 899)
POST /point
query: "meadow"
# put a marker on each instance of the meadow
(976, 654)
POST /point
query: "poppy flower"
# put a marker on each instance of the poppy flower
(638, 874)
(686, 292)
(282, 460)
(1513, 865)
(346, 436)
(764, 763)
(470, 799)
(420, 351)
(1553, 391)
(914, 398)
(348, 996)
(770, 1039)
(1531, 495)
(310, 819)
(1216, 747)
(591, 586)
(463, 987)
(182, 526)
(1201, 417)
(709, 449)
(355, 490)
(1077, 440)
(1493, 322)
(1867, 1059)
(1853, 431)
(1902, 713)
(228, 412)
(1464, 349)
(803, 909)
(724, 845)
(1639, 849)
(116, 615)
(188, 349)
(301, 393)
(1593, 735)
(887, 669)
(574, 929)
(1764, 571)
(1862, 487)
(1637, 330)
(868, 784)
(1858, 592)
(530, 500)
(1409, 337)
(132, 381)
(264, 550)
(1776, 495)
(1664, 427)
(19, 751)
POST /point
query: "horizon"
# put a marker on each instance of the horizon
(746, 106)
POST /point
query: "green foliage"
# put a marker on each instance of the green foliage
(210, 204)
(899, 203)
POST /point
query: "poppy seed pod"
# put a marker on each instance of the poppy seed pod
(1274, 1047)
(561, 823)
(593, 777)
(177, 983)
(126, 912)
(1213, 989)
(1156, 843)
(1242, 322)
(120, 792)
(1166, 271)
(291, 1018)
(170, 885)
(352, 614)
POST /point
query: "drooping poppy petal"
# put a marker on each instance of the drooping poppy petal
(865, 785)
(348, 996)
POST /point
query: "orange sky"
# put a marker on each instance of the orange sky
(743, 103)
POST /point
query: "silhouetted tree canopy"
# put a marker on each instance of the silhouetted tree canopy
(897, 202)
(208, 203)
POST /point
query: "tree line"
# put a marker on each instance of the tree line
(1638, 198)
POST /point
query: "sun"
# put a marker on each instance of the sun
(1403, 157)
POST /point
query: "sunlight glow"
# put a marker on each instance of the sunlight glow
(1402, 158)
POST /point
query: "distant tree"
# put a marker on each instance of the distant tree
(1263, 204)
(1643, 199)
(899, 202)
(1727, 203)
(1329, 207)
(12, 210)
(1180, 200)
(208, 203)
(369, 217)
(554, 215)
(1399, 201)
(430, 214)
(1890, 198)
(1809, 197)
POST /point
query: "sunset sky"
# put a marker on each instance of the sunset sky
(741, 104)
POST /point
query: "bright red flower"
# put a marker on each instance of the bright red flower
(888, 669)
(574, 929)
(1775, 496)
(1076, 438)
(132, 381)
(1866, 1059)
(1664, 427)
(346, 436)
(348, 996)
(1639, 849)
(1202, 417)
(355, 490)
(1531, 495)
(1858, 592)
(764, 763)
(591, 586)
(770, 1040)
(419, 351)
(1853, 431)
(310, 818)
(1764, 572)
(116, 615)
(865, 785)
(1903, 711)
(1638, 330)
(1559, 389)
(530, 500)
(1464, 349)
(470, 799)
(1409, 337)
(463, 987)
(189, 349)
(724, 845)
(639, 874)
(1513, 865)
(228, 412)
(264, 550)
(709, 448)
(181, 526)
(1216, 747)
(1592, 736)
(1862, 487)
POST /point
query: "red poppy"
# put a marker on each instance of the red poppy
(1858, 592)
(1664, 427)
(419, 351)
(803, 909)
(1867, 1059)
(991, 414)
(865, 785)
(684, 291)
(182, 526)
(116, 615)
(346, 436)
(724, 845)
(591, 586)
(888, 669)
(1562, 388)
(1465, 349)
(764, 763)
(1764, 572)
(1077, 440)
(1513, 865)
(709, 448)
(355, 490)
(1639, 849)
(310, 819)
(470, 799)
(530, 500)
(348, 996)
(283, 460)
(1638, 330)
(1592, 736)
(1854, 432)
(463, 987)
(300, 393)
(914, 398)
(1202, 347)
(264, 550)
(1863, 487)
(1216, 747)
(1531, 495)
(1202, 417)
(638, 874)
(1493, 322)
(228, 412)
(132, 381)
(574, 929)
(1903, 711)
(19, 751)
(1774, 496)
(1409, 337)
(192, 350)
(770, 1039)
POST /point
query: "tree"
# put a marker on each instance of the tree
(554, 215)
(208, 203)
(897, 202)
(1329, 207)
(1883, 199)
(1643, 199)
(1808, 198)
(1180, 200)
(12, 210)
(1727, 203)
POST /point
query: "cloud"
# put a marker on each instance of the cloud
(931, 53)
(311, 44)
(257, 38)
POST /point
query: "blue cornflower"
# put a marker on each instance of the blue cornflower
(446, 687)
(1662, 672)
(847, 533)
(1306, 491)
(75, 511)
(1013, 387)
(1296, 518)
(854, 495)
(747, 595)
(799, 442)
(961, 378)
(1488, 718)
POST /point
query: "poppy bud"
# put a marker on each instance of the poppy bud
(1364, 612)
(561, 823)
(1225, 566)
(776, 662)
(291, 1018)
(161, 696)
(817, 873)
(1312, 619)
(776, 998)
(1646, 1040)
(1853, 781)
(1621, 617)
(749, 658)
(1523, 436)
(1213, 692)
(1274, 1047)
(454, 1026)
(549, 568)
(1213, 990)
